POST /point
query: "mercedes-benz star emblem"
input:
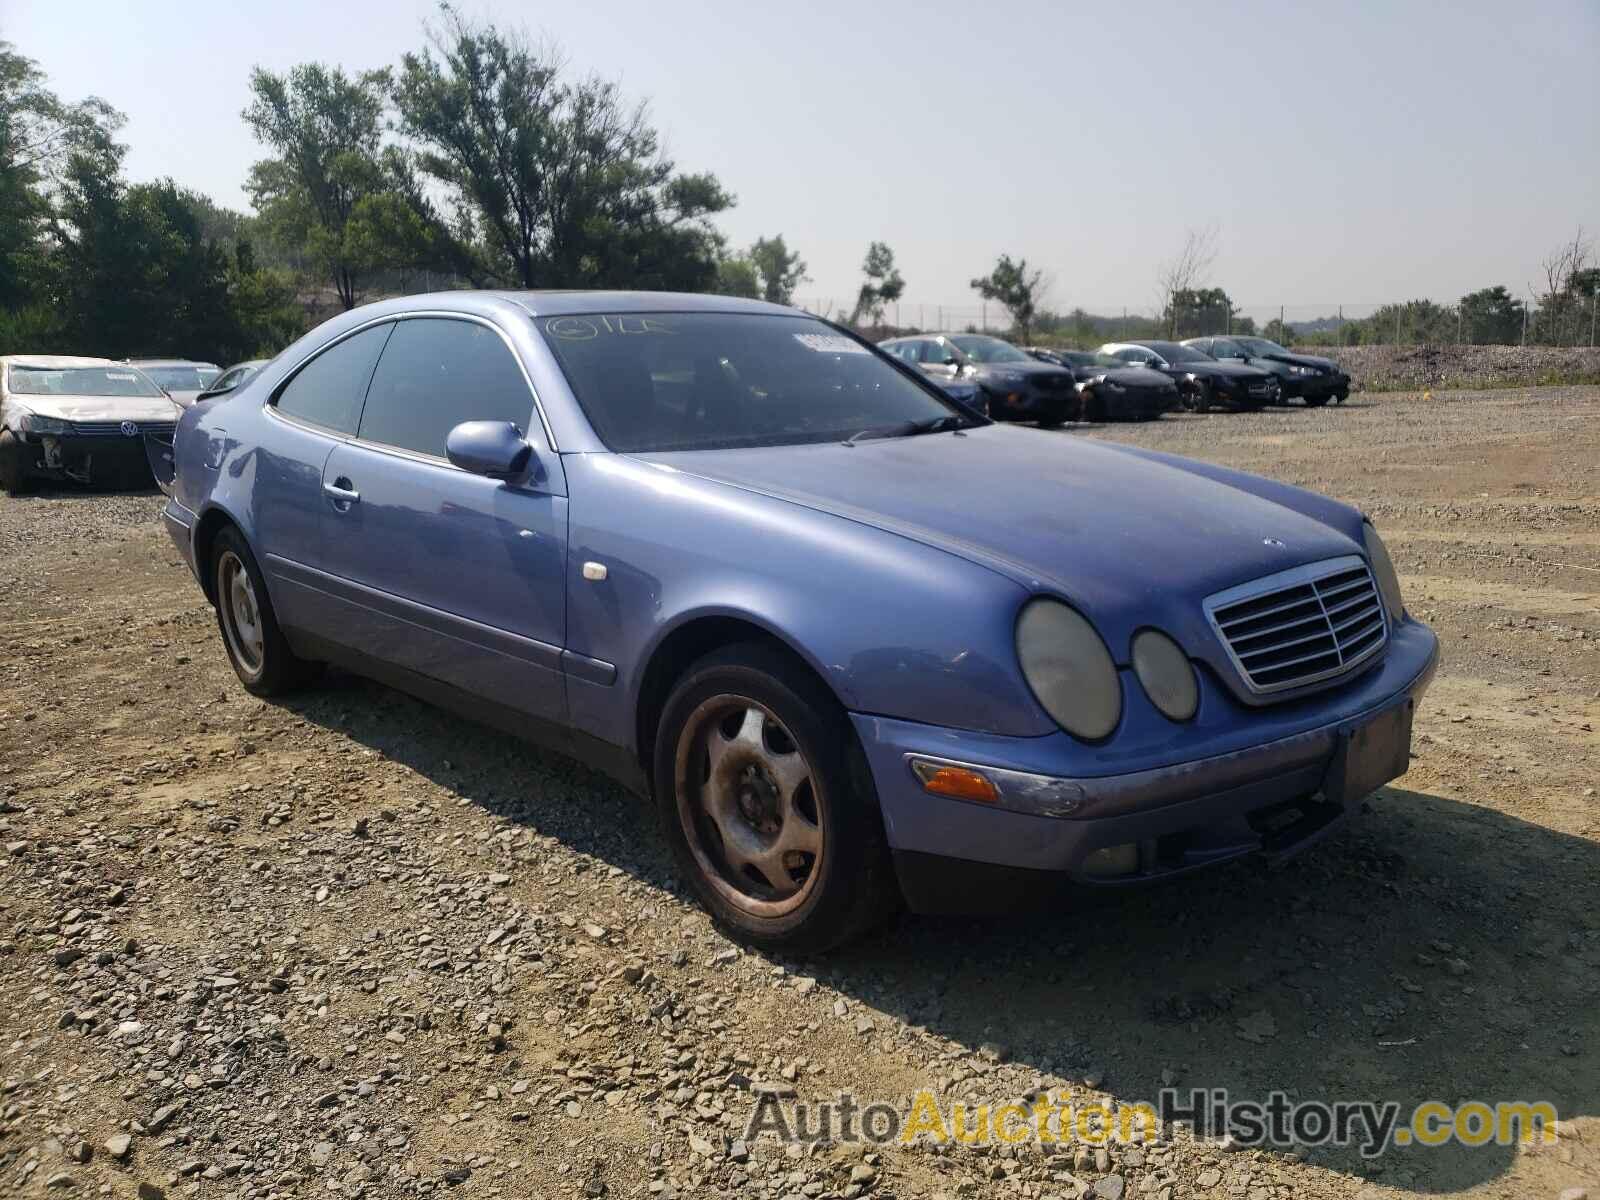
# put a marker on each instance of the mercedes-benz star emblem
(1274, 543)
(129, 429)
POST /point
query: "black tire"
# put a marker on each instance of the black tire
(847, 887)
(13, 467)
(1316, 401)
(1094, 408)
(261, 656)
(1200, 399)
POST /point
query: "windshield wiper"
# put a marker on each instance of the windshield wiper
(908, 429)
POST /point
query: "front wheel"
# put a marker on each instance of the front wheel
(256, 646)
(13, 468)
(767, 802)
(1316, 401)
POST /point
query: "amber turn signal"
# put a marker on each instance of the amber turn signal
(955, 782)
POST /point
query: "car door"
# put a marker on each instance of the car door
(441, 572)
(313, 411)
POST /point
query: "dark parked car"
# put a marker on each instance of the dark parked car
(234, 376)
(1015, 386)
(857, 643)
(1111, 390)
(1314, 380)
(1203, 382)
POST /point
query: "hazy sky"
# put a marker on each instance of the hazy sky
(1348, 153)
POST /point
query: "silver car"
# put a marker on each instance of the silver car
(85, 419)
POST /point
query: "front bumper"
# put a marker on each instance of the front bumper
(1135, 403)
(1312, 387)
(1262, 790)
(86, 458)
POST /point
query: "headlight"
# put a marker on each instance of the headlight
(51, 425)
(1008, 379)
(1166, 673)
(1383, 571)
(1296, 369)
(1069, 669)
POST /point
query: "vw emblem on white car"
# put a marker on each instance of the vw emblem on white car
(129, 429)
(1274, 543)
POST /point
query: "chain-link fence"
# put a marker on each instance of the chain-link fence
(1563, 320)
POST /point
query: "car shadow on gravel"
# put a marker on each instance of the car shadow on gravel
(1434, 949)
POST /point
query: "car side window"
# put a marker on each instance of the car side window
(328, 390)
(436, 373)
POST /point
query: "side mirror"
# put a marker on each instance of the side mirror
(493, 448)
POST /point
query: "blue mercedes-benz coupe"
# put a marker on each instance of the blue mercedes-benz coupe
(859, 644)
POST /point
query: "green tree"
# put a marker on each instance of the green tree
(882, 286)
(1491, 316)
(1017, 289)
(138, 274)
(737, 276)
(38, 135)
(1196, 312)
(330, 186)
(565, 184)
(781, 270)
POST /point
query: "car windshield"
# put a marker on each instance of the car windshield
(181, 379)
(1101, 359)
(988, 350)
(1263, 346)
(1078, 358)
(707, 381)
(1174, 353)
(26, 380)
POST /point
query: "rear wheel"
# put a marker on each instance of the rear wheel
(1094, 408)
(256, 646)
(1316, 401)
(767, 802)
(13, 464)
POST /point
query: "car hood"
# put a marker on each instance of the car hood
(184, 398)
(99, 408)
(1131, 540)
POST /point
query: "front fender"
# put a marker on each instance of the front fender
(893, 626)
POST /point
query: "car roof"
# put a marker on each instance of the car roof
(169, 362)
(562, 303)
(49, 361)
(1146, 345)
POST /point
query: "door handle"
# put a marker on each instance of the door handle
(340, 491)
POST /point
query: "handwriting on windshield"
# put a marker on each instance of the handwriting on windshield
(584, 329)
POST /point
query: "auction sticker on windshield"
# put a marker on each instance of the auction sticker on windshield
(829, 343)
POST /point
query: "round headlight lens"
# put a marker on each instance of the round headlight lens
(1383, 571)
(1166, 673)
(1069, 669)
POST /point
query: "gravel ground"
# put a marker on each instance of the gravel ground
(353, 945)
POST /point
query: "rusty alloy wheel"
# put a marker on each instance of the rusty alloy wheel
(750, 805)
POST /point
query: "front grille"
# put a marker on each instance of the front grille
(1262, 388)
(98, 429)
(1301, 626)
(1053, 383)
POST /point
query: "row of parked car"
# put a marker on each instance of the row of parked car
(87, 419)
(1134, 381)
(70, 417)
